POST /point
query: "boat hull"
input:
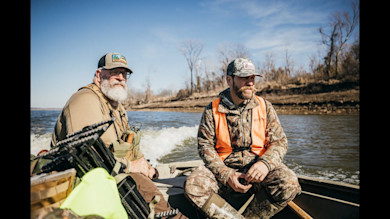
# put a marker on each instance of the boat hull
(319, 198)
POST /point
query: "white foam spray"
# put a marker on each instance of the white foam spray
(157, 143)
(39, 142)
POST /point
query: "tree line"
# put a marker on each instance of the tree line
(341, 61)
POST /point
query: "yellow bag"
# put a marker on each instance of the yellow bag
(96, 194)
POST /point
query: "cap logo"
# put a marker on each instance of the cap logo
(119, 58)
(249, 66)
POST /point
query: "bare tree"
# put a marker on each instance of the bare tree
(315, 65)
(335, 37)
(134, 96)
(289, 67)
(346, 27)
(207, 82)
(191, 49)
(225, 59)
(148, 90)
(229, 52)
(198, 66)
(268, 67)
(210, 79)
(350, 60)
(328, 39)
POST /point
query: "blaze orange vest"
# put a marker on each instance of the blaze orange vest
(223, 145)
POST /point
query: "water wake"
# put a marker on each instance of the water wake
(39, 142)
(154, 143)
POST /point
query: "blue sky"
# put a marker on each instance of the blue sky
(69, 37)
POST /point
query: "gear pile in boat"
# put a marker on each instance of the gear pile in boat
(84, 150)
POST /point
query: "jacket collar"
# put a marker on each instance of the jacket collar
(226, 104)
(99, 92)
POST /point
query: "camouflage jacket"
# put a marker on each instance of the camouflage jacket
(239, 122)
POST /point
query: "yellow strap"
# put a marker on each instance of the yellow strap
(299, 211)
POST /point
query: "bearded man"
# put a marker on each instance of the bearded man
(99, 101)
(242, 145)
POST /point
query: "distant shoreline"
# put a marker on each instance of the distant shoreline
(336, 98)
(324, 97)
(330, 109)
(324, 109)
(45, 109)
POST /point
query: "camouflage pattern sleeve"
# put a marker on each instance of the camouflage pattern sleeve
(206, 149)
(276, 140)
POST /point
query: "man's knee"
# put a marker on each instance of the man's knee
(282, 185)
(148, 190)
(198, 187)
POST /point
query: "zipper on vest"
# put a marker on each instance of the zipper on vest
(243, 134)
(242, 127)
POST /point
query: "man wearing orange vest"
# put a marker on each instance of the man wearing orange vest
(242, 144)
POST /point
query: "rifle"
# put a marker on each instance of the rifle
(83, 150)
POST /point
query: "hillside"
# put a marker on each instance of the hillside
(320, 97)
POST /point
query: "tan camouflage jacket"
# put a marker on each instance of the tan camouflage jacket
(239, 121)
(88, 106)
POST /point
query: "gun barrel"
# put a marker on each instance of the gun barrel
(93, 126)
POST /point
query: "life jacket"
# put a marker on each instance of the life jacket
(223, 145)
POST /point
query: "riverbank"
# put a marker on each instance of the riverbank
(324, 97)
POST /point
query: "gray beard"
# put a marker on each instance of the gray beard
(118, 94)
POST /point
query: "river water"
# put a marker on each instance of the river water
(323, 146)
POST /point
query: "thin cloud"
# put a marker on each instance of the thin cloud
(165, 34)
(273, 26)
(281, 26)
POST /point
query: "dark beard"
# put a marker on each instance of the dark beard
(239, 92)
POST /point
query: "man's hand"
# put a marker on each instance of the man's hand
(142, 166)
(234, 182)
(153, 173)
(257, 172)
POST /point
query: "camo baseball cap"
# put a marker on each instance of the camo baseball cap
(241, 67)
(113, 60)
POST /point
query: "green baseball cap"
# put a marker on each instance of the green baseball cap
(241, 67)
(113, 60)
